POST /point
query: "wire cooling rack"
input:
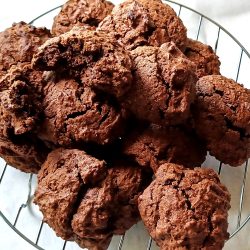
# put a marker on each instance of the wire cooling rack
(21, 209)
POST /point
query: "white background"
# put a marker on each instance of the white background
(234, 15)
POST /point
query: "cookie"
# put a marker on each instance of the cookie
(93, 57)
(186, 209)
(164, 85)
(222, 118)
(25, 154)
(138, 23)
(19, 43)
(74, 115)
(155, 145)
(100, 202)
(20, 99)
(205, 59)
(81, 13)
(61, 183)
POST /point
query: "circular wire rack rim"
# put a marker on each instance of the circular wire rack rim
(29, 197)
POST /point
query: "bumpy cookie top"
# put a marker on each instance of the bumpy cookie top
(74, 114)
(207, 62)
(164, 85)
(19, 43)
(186, 209)
(137, 23)
(20, 99)
(222, 118)
(80, 12)
(94, 57)
(155, 145)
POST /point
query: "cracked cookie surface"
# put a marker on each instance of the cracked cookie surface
(164, 85)
(186, 209)
(19, 43)
(93, 57)
(62, 178)
(74, 114)
(222, 118)
(80, 12)
(205, 59)
(138, 23)
(155, 145)
(95, 202)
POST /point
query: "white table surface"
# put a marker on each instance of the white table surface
(234, 15)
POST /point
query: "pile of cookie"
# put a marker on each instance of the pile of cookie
(109, 98)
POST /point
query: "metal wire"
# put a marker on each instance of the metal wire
(239, 226)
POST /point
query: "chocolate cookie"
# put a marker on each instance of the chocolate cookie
(61, 183)
(74, 114)
(19, 43)
(186, 209)
(20, 99)
(156, 145)
(138, 23)
(94, 57)
(25, 154)
(207, 62)
(164, 85)
(222, 118)
(91, 210)
(80, 12)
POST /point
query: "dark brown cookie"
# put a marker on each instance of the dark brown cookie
(207, 62)
(91, 210)
(20, 99)
(74, 114)
(94, 57)
(61, 183)
(186, 209)
(164, 85)
(25, 154)
(137, 23)
(80, 12)
(156, 145)
(222, 118)
(19, 43)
